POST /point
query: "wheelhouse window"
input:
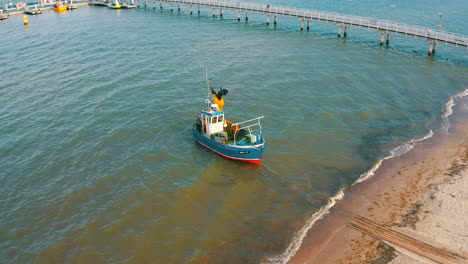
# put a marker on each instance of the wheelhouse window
(215, 119)
(220, 118)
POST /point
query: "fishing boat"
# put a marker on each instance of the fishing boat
(236, 141)
(115, 5)
(60, 7)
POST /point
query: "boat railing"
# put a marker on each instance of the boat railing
(241, 125)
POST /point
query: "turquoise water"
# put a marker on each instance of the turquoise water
(97, 161)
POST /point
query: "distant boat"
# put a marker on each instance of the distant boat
(35, 11)
(60, 7)
(115, 5)
(71, 6)
(232, 141)
(128, 6)
(3, 16)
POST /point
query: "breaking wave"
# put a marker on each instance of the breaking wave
(397, 151)
(449, 109)
(299, 236)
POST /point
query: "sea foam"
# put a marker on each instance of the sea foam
(395, 152)
(448, 111)
(299, 236)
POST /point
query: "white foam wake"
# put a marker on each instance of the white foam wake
(449, 109)
(397, 151)
(299, 236)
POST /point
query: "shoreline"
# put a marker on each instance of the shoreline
(400, 196)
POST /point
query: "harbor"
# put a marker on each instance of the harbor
(37, 8)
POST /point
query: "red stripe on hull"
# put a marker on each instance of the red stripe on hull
(254, 161)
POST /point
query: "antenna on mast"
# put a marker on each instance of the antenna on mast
(207, 82)
(208, 86)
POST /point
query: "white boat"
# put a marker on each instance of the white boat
(3, 15)
(32, 11)
(71, 6)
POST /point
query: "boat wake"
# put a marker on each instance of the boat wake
(397, 151)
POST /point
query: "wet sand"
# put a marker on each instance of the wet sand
(413, 210)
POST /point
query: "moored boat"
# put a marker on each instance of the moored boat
(128, 6)
(115, 5)
(235, 141)
(60, 7)
(32, 11)
(125, 6)
(71, 6)
(3, 16)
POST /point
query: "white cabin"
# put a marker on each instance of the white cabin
(212, 120)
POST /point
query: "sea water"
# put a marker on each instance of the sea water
(97, 160)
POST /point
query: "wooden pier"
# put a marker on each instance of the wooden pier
(386, 28)
(342, 21)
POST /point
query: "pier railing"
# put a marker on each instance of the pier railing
(385, 27)
(368, 23)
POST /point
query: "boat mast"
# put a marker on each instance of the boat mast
(208, 86)
(207, 82)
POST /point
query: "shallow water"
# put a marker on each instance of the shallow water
(97, 159)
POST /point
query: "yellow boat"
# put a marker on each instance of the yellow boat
(115, 5)
(59, 7)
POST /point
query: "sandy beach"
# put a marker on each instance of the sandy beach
(413, 210)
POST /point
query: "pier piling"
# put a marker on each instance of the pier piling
(214, 12)
(340, 20)
(432, 48)
(178, 8)
(160, 5)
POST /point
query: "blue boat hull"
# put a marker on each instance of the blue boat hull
(247, 154)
